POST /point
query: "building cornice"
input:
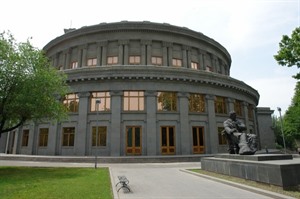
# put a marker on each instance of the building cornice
(139, 27)
(154, 73)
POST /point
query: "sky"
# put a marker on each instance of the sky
(249, 29)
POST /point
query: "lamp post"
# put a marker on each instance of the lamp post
(98, 102)
(281, 124)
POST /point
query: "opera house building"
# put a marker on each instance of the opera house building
(142, 88)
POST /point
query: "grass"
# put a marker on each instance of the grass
(52, 183)
(292, 192)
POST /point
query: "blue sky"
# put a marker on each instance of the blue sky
(249, 29)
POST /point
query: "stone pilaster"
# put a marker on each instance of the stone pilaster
(212, 133)
(115, 137)
(103, 45)
(151, 123)
(185, 134)
(82, 131)
(84, 54)
(245, 112)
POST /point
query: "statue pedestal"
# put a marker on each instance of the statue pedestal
(277, 169)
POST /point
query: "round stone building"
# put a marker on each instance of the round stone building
(142, 88)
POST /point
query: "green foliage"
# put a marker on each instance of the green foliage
(289, 52)
(292, 115)
(291, 122)
(23, 182)
(29, 86)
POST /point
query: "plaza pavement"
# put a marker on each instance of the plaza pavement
(165, 181)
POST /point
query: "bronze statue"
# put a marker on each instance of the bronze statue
(238, 140)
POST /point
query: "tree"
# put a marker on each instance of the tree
(291, 117)
(29, 86)
(289, 52)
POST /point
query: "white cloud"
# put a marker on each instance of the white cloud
(274, 91)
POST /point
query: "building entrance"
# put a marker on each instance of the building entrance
(198, 139)
(168, 140)
(133, 140)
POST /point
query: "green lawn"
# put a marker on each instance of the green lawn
(44, 183)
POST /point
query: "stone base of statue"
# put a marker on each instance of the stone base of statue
(276, 169)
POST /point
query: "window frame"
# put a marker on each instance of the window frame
(220, 105)
(105, 98)
(155, 60)
(174, 101)
(177, 62)
(43, 137)
(195, 65)
(91, 62)
(192, 99)
(128, 97)
(74, 65)
(101, 142)
(69, 136)
(112, 60)
(134, 59)
(68, 99)
(25, 138)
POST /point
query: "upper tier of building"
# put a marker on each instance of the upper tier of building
(137, 43)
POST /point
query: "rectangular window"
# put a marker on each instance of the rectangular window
(134, 60)
(104, 98)
(209, 69)
(196, 103)
(71, 101)
(133, 101)
(166, 101)
(92, 62)
(101, 138)
(157, 61)
(112, 60)
(220, 105)
(74, 64)
(43, 137)
(68, 136)
(238, 108)
(195, 65)
(221, 136)
(25, 137)
(176, 62)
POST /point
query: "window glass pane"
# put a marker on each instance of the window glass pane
(103, 138)
(43, 137)
(129, 137)
(167, 101)
(164, 136)
(195, 138)
(137, 137)
(201, 136)
(171, 137)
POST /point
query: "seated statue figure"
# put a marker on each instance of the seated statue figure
(238, 140)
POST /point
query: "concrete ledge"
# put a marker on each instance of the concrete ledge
(105, 159)
(260, 157)
(283, 173)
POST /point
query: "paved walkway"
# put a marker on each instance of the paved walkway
(173, 181)
(164, 181)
